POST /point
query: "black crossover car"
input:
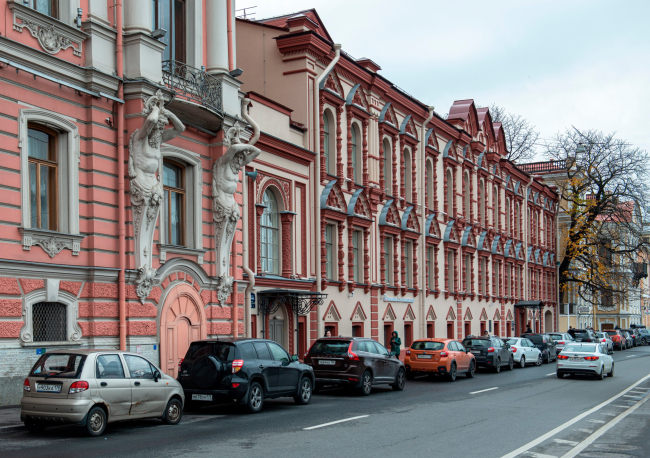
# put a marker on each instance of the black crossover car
(490, 352)
(246, 371)
(545, 344)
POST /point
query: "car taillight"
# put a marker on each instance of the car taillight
(237, 364)
(26, 386)
(180, 361)
(352, 355)
(78, 387)
(604, 340)
(562, 357)
(444, 353)
(561, 342)
(592, 358)
(491, 350)
(514, 349)
(408, 352)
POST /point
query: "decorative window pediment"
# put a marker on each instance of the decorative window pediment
(358, 314)
(431, 314)
(451, 316)
(389, 314)
(468, 315)
(484, 316)
(332, 313)
(409, 315)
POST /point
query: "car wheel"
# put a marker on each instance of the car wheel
(539, 360)
(644, 342)
(451, 375)
(472, 370)
(511, 363)
(497, 366)
(96, 423)
(366, 384)
(547, 360)
(601, 375)
(522, 361)
(559, 375)
(173, 412)
(400, 380)
(255, 398)
(611, 373)
(34, 426)
(304, 395)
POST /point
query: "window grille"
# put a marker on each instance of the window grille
(50, 322)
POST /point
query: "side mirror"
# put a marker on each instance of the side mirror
(294, 357)
(156, 376)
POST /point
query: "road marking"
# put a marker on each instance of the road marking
(588, 441)
(552, 373)
(638, 392)
(564, 441)
(335, 422)
(596, 421)
(633, 397)
(540, 455)
(553, 432)
(622, 407)
(483, 391)
(583, 430)
(609, 414)
(630, 356)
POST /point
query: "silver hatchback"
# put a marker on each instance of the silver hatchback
(92, 388)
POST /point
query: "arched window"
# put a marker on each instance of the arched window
(467, 203)
(481, 202)
(270, 234)
(388, 167)
(42, 157)
(450, 194)
(356, 158)
(429, 179)
(408, 176)
(170, 15)
(174, 202)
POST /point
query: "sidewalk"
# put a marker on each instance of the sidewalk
(10, 417)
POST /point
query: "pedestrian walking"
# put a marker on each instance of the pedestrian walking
(395, 344)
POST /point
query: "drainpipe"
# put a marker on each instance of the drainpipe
(316, 200)
(245, 223)
(231, 57)
(423, 250)
(121, 212)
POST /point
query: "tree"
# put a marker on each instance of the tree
(521, 136)
(603, 188)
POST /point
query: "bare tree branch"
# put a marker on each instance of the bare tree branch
(521, 137)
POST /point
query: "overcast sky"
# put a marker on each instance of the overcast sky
(584, 63)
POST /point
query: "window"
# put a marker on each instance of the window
(388, 256)
(356, 155)
(49, 7)
(50, 322)
(430, 268)
(481, 202)
(139, 367)
(278, 352)
(326, 142)
(329, 260)
(262, 351)
(497, 278)
(451, 275)
(408, 176)
(174, 202)
(467, 203)
(517, 216)
(408, 258)
(356, 242)
(483, 274)
(450, 194)
(43, 166)
(429, 184)
(388, 167)
(109, 366)
(508, 228)
(269, 234)
(170, 15)
(495, 208)
(468, 273)
(508, 284)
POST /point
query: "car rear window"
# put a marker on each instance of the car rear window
(580, 348)
(434, 346)
(513, 342)
(330, 347)
(221, 350)
(535, 339)
(581, 335)
(59, 365)
(556, 336)
(612, 333)
(476, 342)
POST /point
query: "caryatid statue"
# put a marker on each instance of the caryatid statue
(225, 178)
(146, 189)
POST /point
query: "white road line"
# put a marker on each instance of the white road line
(540, 455)
(633, 397)
(630, 356)
(588, 441)
(564, 441)
(637, 392)
(583, 430)
(483, 391)
(608, 414)
(552, 373)
(622, 407)
(596, 421)
(335, 422)
(553, 432)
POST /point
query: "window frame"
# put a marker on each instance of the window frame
(175, 38)
(53, 294)
(329, 251)
(356, 239)
(388, 166)
(266, 230)
(53, 194)
(54, 7)
(408, 259)
(168, 190)
(388, 254)
(408, 175)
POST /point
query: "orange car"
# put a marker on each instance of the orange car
(445, 357)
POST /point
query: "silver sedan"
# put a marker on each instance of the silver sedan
(585, 359)
(604, 339)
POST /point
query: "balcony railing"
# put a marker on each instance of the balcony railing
(193, 83)
(546, 166)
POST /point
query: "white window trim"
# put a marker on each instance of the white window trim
(50, 294)
(52, 242)
(194, 198)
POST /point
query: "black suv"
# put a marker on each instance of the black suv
(490, 352)
(546, 345)
(583, 335)
(635, 336)
(246, 371)
(643, 336)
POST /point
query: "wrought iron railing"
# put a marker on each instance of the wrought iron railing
(193, 83)
(546, 166)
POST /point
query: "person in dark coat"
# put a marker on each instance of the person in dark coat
(395, 344)
(528, 330)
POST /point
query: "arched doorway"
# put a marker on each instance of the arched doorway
(548, 321)
(182, 321)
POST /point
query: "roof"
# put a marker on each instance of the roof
(311, 14)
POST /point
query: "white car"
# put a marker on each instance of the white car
(604, 339)
(585, 359)
(561, 339)
(524, 352)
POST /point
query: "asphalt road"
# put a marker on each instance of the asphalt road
(525, 412)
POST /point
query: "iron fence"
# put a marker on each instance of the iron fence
(193, 83)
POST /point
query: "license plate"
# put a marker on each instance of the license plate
(575, 359)
(424, 356)
(475, 352)
(48, 388)
(201, 397)
(326, 362)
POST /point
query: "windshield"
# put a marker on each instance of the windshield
(434, 346)
(330, 347)
(476, 343)
(59, 365)
(581, 348)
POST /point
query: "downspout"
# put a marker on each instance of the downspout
(424, 248)
(121, 224)
(316, 200)
(229, 31)
(245, 223)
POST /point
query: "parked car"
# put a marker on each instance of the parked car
(545, 344)
(644, 335)
(633, 337)
(356, 362)
(618, 339)
(490, 351)
(444, 357)
(560, 339)
(629, 341)
(583, 335)
(604, 339)
(585, 359)
(246, 371)
(92, 388)
(524, 351)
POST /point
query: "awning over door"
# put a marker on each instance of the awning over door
(530, 304)
(301, 302)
